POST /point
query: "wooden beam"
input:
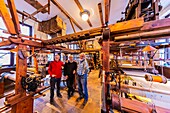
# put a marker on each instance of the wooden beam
(36, 12)
(82, 10)
(90, 50)
(66, 13)
(36, 5)
(49, 6)
(26, 14)
(138, 9)
(75, 36)
(127, 29)
(14, 15)
(21, 69)
(35, 59)
(101, 13)
(6, 18)
(31, 43)
(156, 24)
(134, 106)
(107, 10)
(106, 64)
(90, 24)
(22, 35)
(130, 25)
(5, 43)
(72, 25)
(25, 42)
(145, 35)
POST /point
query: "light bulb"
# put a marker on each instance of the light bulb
(85, 16)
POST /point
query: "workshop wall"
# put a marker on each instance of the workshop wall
(34, 25)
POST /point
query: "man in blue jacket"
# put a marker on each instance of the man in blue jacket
(82, 72)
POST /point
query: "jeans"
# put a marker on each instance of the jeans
(53, 82)
(82, 86)
(70, 83)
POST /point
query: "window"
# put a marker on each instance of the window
(4, 57)
(161, 52)
(50, 57)
(3, 28)
(25, 29)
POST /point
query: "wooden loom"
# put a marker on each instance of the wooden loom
(137, 28)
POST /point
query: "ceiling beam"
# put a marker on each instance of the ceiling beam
(36, 12)
(25, 14)
(29, 16)
(36, 5)
(82, 10)
(66, 13)
(107, 10)
(14, 15)
(72, 25)
(7, 18)
(100, 13)
(49, 6)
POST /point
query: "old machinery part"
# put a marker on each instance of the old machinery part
(31, 82)
(154, 78)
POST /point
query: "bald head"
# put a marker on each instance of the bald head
(57, 58)
(82, 56)
(71, 58)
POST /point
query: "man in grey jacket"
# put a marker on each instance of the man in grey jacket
(82, 72)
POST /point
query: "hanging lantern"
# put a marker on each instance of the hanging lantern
(148, 48)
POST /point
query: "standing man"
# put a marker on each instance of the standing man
(82, 71)
(70, 68)
(55, 71)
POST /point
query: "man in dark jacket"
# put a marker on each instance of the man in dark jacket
(70, 68)
(55, 71)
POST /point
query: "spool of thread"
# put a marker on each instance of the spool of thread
(154, 78)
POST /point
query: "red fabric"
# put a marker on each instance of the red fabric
(55, 68)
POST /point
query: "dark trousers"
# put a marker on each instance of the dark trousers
(70, 83)
(82, 86)
(53, 82)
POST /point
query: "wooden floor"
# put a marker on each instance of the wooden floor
(63, 105)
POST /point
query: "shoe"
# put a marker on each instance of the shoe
(72, 93)
(84, 102)
(79, 98)
(59, 95)
(69, 97)
(51, 100)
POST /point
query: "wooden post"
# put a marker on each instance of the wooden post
(156, 9)
(106, 66)
(35, 59)
(25, 106)
(138, 10)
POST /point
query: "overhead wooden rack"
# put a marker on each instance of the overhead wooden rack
(119, 30)
(66, 13)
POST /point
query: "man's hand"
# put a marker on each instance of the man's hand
(53, 75)
(66, 77)
(74, 72)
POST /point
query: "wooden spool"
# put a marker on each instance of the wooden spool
(154, 78)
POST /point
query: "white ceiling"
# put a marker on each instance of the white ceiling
(117, 6)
